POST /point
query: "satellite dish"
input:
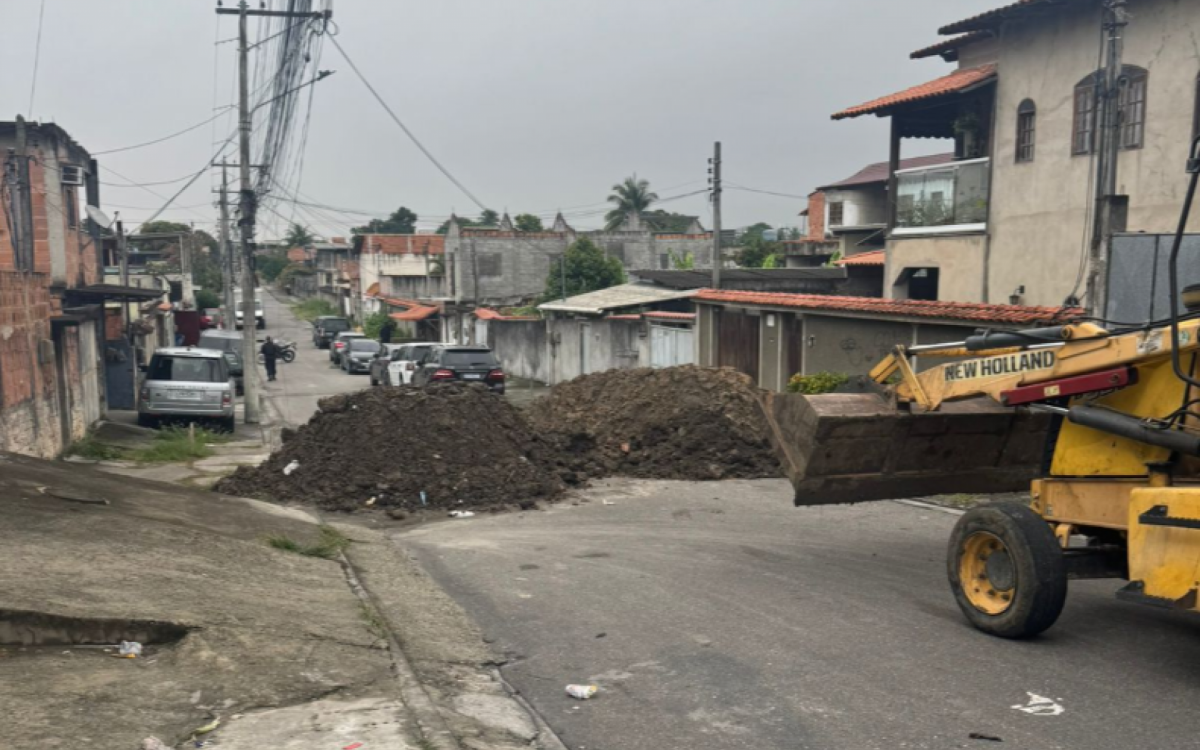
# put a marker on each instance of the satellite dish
(99, 217)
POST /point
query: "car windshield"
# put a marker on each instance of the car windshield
(364, 345)
(185, 369)
(468, 358)
(415, 353)
(334, 325)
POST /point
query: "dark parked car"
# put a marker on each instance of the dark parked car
(229, 343)
(358, 354)
(339, 343)
(381, 366)
(326, 327)
(470, 364)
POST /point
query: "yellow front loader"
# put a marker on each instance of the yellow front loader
(1100, 422)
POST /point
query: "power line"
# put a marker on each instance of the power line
(160, 140)
(735, 186)
(37, 54)
(404, 127)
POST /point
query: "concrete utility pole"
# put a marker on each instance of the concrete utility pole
(185, 268)
(122, 252)
(247, 200)
(226, 249)
(715, 181)
(1109, 214)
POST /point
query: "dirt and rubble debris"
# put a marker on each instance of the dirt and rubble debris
(451, 447)
(683, 422)
(446, 447)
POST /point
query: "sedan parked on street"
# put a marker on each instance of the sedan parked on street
(379, 366)
(339, 344)
(358, 354)
(469, 364)
(404, 363)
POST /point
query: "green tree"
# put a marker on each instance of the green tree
(402, 221)
(630, 197)
(270, 266)
(755, 252)
(462, 223)
(528, 223)
(586, 269)
(682, 261)
(489, 218)
(207, 299)
(206, 267)
(298, 236)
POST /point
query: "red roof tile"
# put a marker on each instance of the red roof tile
(878, 172)
(665, 315)
(401, 244)
(960, 79)
(975, 312)
(989, 18)
(373, 290)
(872, 258)
(415, 313)
(950, 45)
(628, 316)
(485, 313)
(297, 255)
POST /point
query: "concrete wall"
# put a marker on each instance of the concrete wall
(1038, 209)
(958, 258)
(520, 345)
(612, 345)
(859, 207)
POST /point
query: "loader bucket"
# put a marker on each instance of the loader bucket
(854, 447)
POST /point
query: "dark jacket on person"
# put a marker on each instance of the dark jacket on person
(270, 350)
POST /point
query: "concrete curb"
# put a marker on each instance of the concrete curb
(546, 737)
(428, 720)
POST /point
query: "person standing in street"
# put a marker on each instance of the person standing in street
(385, 332)
(270, 352)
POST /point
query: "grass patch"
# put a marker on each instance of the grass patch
(373, 621)
(329, 544)
(310, 309)
(91, 448)
(176, 444)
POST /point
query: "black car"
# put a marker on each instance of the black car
(229, 343)
(469, 364)
(326, 327)
(358, 354)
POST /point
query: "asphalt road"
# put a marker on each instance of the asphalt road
(716, 615)
(299, 385)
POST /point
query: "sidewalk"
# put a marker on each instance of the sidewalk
(288, 650)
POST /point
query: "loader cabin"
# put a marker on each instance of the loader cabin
(772, 337)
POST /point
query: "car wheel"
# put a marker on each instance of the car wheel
(145, 420)
(229, 424)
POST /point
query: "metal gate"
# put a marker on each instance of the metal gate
(119, 374)
(89, 372)
(670, 346)
(737, 341)
(585, 348)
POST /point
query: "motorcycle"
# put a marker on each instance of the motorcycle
(287, 351)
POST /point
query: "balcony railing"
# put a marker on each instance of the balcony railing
(943, 198)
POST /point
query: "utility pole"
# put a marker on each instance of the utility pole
(1108, 148)
(226, 249)
(247, 199)
(122, 252)
(186, 244)
(714, 180)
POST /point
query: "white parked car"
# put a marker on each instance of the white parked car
(404, 362)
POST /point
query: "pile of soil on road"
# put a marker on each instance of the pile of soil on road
(683, 422)
(461, 445)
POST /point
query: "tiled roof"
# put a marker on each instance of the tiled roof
(949, 45)
(960, 79)
(297, 255)
(630, 316)
(990, 18)
(974, 312)
(373, 290)
(878, 172)
(486, 313)
(665, 315)
(613, 298)
(401, 244)
(416, 313)
(873, 258)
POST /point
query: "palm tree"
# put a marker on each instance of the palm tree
(298, 236)
(630, 197)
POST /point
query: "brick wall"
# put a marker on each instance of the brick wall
(816, 216)
(29, 421)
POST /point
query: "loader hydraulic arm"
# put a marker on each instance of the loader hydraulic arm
(1081, 350)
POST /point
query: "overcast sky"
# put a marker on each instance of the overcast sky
(535, 105)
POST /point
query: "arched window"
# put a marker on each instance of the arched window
(1131, 103)
(1026, 130)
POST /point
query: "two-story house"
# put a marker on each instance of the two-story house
(1012, 218)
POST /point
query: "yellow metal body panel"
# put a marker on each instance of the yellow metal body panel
(1084, 452)
(1103, 503)
(1088, 349)
(1166, 560)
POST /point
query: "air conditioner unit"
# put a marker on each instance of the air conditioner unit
(72, 175)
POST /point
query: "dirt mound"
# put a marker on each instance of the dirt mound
(460, 445)
(674, 423)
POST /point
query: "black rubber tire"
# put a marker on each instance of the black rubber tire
(288, 356)
(229, 425)
(1037, 557)
(145, 420)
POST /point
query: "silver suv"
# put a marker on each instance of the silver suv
(187, 382)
